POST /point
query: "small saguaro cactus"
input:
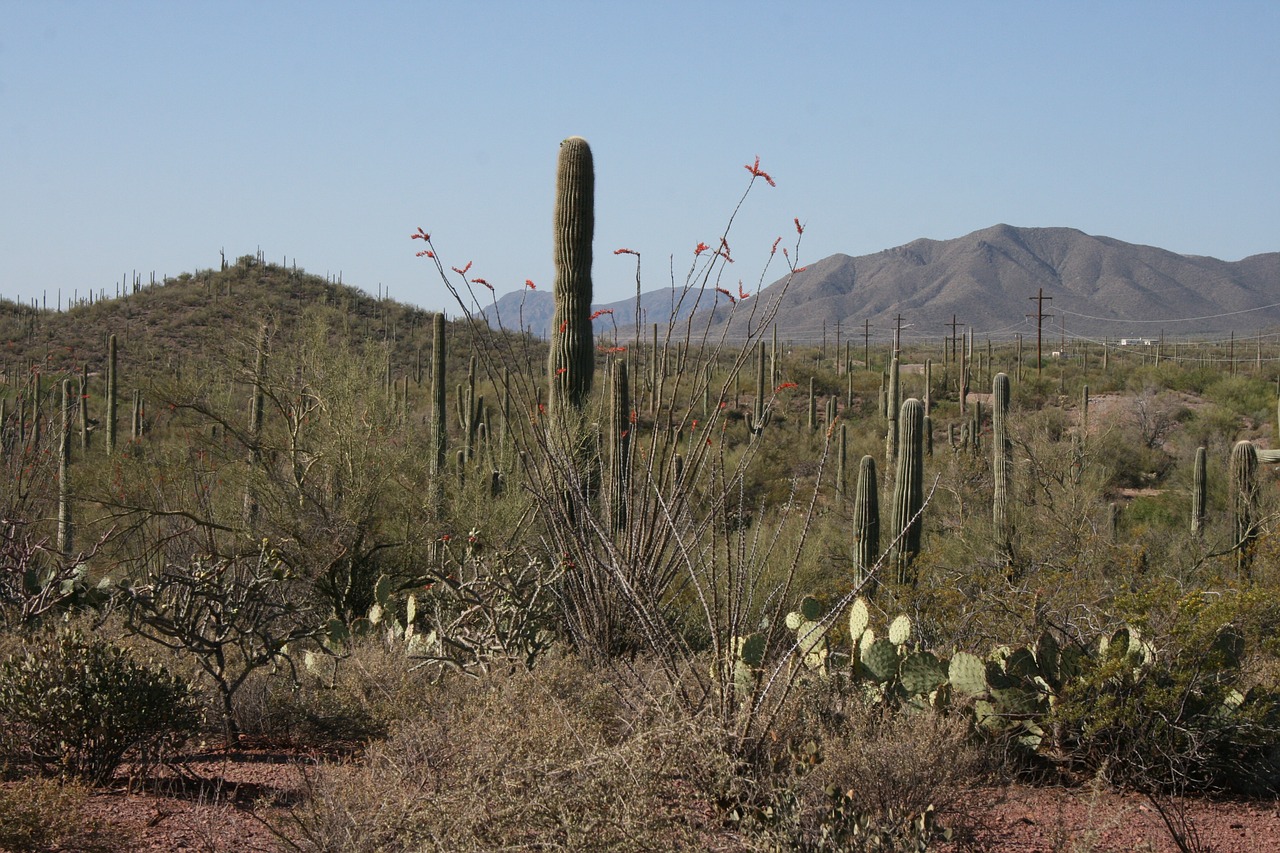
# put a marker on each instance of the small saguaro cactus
(572, 361)
(1244, 495)
(619, 445)
(439, 436)
(111, 395)
(64, 470)
(1199, 492)
(1001, 464)
(866, 524)
(759, 419)
(892, 391)
(908, 488)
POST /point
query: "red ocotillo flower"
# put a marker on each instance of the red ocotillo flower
(596, 315)
(799, 227)
(626, 252)
(528, 282)
(757, 172)
(742, 294)
(699, 249)
(421, 235)
(784, 386)
(425, 253)
(482, 281)
(463, 271)
(726, 292)
(723, 251)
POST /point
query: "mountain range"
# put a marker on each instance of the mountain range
(987, 280)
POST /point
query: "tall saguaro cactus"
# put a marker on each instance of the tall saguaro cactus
(866, 524)
(572, 360)
(1001, 464)
(908, 488)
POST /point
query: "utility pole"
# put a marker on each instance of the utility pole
(897, 334)
(866, 343)
(1040, 299)
(954, 325)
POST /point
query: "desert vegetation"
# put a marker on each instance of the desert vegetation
(685, 585)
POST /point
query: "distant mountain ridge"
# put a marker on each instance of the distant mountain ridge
(1096, 285)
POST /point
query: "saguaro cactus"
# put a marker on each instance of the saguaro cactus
(908, 488)
(65, 543)
(1001, 464)
(111, 395)
(439, 439)
(866, 523)
(892, 392)
(572, 361)
(757, 421)
(1199, 492)
(619, 445)
(1244, 493)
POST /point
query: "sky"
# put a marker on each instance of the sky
(150, 136)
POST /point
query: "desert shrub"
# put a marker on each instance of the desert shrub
(852, 775)
(1175, 713)
(38, 815)
(76, 707)
(546, 759)
(334, 700)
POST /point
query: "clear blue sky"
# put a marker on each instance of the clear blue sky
(148, 135)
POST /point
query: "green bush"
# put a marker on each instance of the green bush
(76, 707)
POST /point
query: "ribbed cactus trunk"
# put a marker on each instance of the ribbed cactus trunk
(908, 488)
(82, 409)
(439, 433)
(892, 391)
(1199, 492)
(256, 402)
(65, 539)
(760, 415)
(572, 361)
(866, 524)
(1244, 496)
(619, 445)
(1001, 466)
(111, 395)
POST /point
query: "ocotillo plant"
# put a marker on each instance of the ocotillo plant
(1199, 492)
(1001, 464)
(866, 524)
(111, 395)
(1244, 492)
(908, 488)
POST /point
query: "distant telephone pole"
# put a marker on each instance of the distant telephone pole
(1040, 299)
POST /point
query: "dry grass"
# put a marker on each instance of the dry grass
(552, 760)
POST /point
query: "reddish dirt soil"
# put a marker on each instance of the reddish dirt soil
(242, 792)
